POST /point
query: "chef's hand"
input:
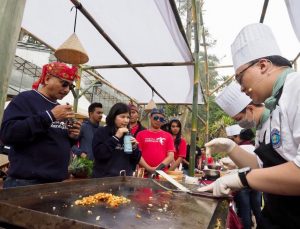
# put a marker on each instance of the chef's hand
(218, 145)
(74, 130)
(223, 185)
(226, 161)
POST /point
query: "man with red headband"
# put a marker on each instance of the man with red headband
(35, 127)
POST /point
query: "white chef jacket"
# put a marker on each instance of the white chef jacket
(284, 121)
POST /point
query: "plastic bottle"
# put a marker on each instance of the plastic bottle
(127, 143)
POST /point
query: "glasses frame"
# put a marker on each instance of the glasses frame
(239, 76)
(157, 118)
(64, 83)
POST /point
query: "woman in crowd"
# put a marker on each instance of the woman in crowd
(179, 143)
(108, 145)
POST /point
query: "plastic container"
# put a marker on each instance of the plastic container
(127, 143)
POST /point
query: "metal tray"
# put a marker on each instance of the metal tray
(52, 206)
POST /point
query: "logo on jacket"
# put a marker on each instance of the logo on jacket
(59, 125)
(275, 138)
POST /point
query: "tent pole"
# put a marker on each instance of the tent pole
(206, 77)
(195, 91)
(294, 62)
(190, 109)
(218, 87)
(76, 94)
(263, 12)
(11, 14)
(139, 65)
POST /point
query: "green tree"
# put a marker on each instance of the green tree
(218, 120)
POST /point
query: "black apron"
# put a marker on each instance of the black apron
(279, 211)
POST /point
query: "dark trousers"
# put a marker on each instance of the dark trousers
(11, 182)
(248, 200)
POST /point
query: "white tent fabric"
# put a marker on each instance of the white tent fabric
(145, 30)
(293, 7)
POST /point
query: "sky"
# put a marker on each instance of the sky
(225, 18)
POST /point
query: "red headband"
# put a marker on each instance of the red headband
(57, 69)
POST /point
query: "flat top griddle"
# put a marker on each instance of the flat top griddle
(151, 206)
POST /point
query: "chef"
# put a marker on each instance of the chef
(265, 76)
(240, 107)
(248, 115)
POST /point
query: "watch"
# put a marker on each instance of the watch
(242, 175)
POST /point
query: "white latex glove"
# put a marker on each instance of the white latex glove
(226, 161)
(218, 145)
(223, 185)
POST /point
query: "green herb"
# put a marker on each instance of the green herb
(81, 167)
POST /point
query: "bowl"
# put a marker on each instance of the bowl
(213, 166)
(211, 174)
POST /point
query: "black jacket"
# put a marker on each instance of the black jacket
(109, 154)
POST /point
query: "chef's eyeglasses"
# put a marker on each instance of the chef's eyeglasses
(157, 118)
(239, 76)
(64, 83)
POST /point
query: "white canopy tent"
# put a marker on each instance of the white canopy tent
(145, 31)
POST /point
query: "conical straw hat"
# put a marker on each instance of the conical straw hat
(150, 105)
(72, 51)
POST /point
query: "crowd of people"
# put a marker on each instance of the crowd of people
(50, 136)
(43, 135)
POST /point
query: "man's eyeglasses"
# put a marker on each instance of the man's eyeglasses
(64, 83)
(157, 118)
(239, 76)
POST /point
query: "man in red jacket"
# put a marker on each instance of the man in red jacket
(157, 146)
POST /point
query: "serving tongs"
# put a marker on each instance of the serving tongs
(182, 188)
